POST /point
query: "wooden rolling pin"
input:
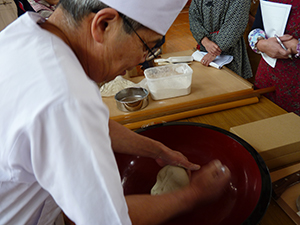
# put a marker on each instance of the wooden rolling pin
(199, 103)
(192, 113)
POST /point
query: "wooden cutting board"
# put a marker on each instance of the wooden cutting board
(210, 86)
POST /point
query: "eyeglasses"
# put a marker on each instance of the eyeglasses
(152, 53)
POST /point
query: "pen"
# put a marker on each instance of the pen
(282, 45)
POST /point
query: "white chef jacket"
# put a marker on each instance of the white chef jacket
(55, 149)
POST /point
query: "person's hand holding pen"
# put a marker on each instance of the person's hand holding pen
(273, 49)
(282, 45)
(291, 44)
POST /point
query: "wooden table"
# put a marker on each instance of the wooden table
(211, 90)
(241, 115)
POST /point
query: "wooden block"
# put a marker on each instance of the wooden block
(276, 139)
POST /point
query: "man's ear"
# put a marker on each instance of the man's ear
(103, 20)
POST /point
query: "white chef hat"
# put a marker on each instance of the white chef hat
(158, 15)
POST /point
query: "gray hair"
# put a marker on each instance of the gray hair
(79, 9)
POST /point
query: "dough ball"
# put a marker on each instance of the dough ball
(170, 178)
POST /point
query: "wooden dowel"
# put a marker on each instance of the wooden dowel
(192, 113)
(205, 102)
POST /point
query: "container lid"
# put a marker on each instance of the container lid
(167, 71)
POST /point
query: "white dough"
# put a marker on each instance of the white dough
(170, 178)
(119, 83)
(113, 87)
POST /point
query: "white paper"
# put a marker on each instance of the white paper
(274, 16)
(218, 62)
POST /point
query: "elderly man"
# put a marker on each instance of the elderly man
(57, 142)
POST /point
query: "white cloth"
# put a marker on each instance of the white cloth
(54, 137)
(218, 62)
(157, 15)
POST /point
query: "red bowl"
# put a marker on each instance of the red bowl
(245, 200)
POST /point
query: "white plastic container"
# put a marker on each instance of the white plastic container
(169, 81)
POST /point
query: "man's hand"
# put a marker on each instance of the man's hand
(206, 186)
(128, 142)
(174, 158)
(210, 181)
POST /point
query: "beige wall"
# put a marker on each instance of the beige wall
(8, 13)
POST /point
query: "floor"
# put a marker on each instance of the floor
(179, 36)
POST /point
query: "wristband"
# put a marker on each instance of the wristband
(254, 36)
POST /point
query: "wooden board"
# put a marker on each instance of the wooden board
(276, 139)
(210, 86)
(287, 201)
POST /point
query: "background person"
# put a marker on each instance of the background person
(218, 28)
(286, 74)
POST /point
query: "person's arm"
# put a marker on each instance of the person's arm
(73, 161)
(201, 35)
(129, 142)
(206, 186)
(196, 24)
(211, 47)
(199, 32)
(259, 43)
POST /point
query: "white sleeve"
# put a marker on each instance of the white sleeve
(73, 160)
